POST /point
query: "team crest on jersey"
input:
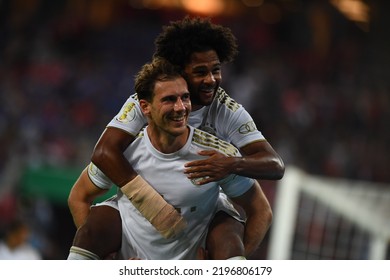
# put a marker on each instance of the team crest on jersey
(247, 127)
(196, 180)
(128, 113)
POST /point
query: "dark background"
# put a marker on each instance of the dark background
(315, 82)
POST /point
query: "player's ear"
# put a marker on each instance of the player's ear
(145, 106)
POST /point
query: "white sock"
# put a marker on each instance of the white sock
(236, 258)
(77, 253)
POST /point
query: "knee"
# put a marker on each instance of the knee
(86, 235)
(225, 238)
(101, 233)
(268, 216)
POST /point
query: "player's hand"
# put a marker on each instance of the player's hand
(214, 168)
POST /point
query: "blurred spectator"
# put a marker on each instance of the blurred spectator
(15, 243)
(313, 82)
(64, 75)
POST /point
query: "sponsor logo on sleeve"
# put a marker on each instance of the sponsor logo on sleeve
(128, 113)
(247, 127)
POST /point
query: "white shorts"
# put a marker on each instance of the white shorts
(224, 205)
(128, 251)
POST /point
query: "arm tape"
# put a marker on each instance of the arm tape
(163, 216)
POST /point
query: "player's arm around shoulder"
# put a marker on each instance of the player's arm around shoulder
(216, 154)
(259, 161)
(108, 155)
(119, 134)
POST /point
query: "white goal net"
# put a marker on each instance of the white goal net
(324, 218)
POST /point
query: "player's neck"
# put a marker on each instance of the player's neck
(167, 143)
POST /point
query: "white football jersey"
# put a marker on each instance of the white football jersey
(165, 172)
(224, 118)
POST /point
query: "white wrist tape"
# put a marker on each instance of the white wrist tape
(77, 253)
(237, 258)
(163, 216)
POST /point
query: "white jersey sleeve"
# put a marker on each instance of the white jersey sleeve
(98, 177)
(241, 129)
(130, 118)
(228, 120)
(235, 185)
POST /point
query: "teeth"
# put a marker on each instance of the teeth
(178, 118)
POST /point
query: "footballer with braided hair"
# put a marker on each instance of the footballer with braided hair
(199, 48)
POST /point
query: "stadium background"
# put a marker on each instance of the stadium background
(313, 74)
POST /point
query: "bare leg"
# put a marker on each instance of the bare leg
(225, 237)
(102, 232)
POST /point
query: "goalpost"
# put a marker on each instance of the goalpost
(325, 218)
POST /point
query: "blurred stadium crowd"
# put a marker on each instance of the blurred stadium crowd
(314, 82)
